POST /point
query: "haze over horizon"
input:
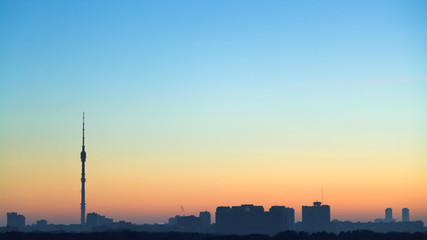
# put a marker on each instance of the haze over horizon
(209, 103)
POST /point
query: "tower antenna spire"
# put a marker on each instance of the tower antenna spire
(83, 179)
(83, 130)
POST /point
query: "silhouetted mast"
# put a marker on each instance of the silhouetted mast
(83, 158)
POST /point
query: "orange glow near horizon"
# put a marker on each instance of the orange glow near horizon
(141, 194)
(210, 103)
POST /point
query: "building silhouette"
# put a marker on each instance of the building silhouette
(15, 220)
(41, 223)
(382, 227)
(83, 179)
(188, 223)
(316, 218)
(205, 221)
(96, 220)
(250, 219)
(405, 215)
(388, 215)
(172, 221)
(192, 223)
(242, 220)
(281, 218)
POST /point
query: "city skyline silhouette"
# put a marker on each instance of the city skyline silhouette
(190, 106)
(245, 219)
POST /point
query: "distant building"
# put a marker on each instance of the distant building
(15, 220)
(188, 223)
(316, 218)
(96, 220)
(205, 220)
(192, 223)
(405, 215)
(388, 217)
(223, 219)
(281, 218)
(172, 221)
(244, 219)
(119, 226)
(250, 219)
(383, 227)
(41, 223)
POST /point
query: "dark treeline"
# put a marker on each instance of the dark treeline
(288, 235)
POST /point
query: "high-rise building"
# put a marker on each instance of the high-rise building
(96, 220)
(188, 223)
(191, 223)
(281, 218)
(388, 215)
(405, 215)
(205, 220)
(316, 218)
(222, 219)
(15, 220)
(244, 219)
(250, 219)
(83, 179)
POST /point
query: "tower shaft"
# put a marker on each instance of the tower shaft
(83, 179)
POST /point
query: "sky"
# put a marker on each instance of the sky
(213, 103)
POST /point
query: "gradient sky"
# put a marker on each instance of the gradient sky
(207, 103)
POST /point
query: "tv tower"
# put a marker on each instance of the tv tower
(83, 158)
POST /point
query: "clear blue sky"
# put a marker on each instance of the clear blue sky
(176, 78)
(103, 52)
